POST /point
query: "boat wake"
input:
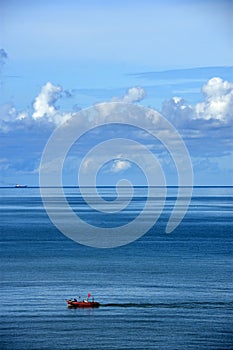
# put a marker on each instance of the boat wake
(187, 305)
(129, 304)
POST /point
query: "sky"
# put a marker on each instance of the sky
(60, 57)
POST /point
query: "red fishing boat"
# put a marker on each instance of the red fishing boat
(72, 303)
(84, 303)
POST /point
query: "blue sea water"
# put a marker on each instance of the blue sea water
(163, 291)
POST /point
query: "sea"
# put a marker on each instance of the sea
(161, 291)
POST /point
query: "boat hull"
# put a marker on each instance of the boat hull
(82, 304)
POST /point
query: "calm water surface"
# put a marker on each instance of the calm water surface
(160, 292)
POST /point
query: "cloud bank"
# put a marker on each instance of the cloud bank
(216, 107)
(206, 127)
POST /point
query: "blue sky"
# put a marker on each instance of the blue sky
(59, 56)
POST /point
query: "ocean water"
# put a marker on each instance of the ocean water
(163, 291)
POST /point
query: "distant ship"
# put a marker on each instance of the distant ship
(20, 186)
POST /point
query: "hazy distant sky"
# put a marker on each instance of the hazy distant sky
(71, 54)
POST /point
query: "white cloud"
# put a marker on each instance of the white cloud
(177, 111)
(120, 165)
(207, 126)
(22, 115)
(44, 102)
(204, 123)
(44, 110)
(134, 94)
(89, 164)
(218, 104)
(44, 105)
(8, 115)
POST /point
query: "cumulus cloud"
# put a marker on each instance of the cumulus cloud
(120, 165)
(208, 120)
(91, 163)
(218, 103)
(217, 107)
(44, 104)
(178, 111)
(207, 126)
(134, 94)
(44, 110)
